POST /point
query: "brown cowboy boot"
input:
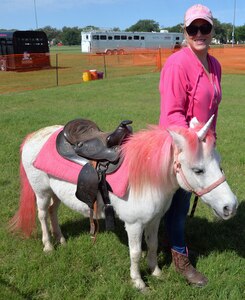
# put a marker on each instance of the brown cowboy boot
(185, 268)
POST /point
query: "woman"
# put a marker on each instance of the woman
(189, 87)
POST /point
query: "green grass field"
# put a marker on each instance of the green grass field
(101, 271)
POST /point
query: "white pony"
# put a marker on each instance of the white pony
(158, 163)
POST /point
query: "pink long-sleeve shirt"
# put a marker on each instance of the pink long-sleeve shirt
(187, 91)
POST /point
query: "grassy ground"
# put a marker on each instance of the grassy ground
(66, 49)
(101, 271)
(68, 68)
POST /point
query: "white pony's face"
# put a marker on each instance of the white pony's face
(203, 175)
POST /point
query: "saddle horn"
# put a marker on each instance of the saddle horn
(204, 130)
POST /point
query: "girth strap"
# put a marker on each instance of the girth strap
(91, 179)
(109, 211)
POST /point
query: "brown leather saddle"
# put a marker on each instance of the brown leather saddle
(82, 142)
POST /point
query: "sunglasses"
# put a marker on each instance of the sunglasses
(204, 29)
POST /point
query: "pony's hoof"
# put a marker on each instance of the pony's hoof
(62, 241)
(139, 284)
(157, 272)
(145, 290)
(48, 248)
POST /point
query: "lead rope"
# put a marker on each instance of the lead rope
(194, 207)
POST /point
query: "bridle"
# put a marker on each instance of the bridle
(178, 169)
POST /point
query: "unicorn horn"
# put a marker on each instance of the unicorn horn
(204, 130)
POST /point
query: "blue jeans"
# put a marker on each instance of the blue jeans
(175, 219)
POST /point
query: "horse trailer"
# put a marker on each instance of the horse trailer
(20, 50)
(114, 42)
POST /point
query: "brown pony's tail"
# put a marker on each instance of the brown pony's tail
(24, 220)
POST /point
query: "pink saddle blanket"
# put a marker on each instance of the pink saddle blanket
(49, 161)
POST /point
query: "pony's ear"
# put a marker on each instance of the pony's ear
(178, 139)
(194, 122)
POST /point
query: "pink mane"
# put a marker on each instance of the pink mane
(149, 158)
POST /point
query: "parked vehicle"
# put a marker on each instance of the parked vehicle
(114, 42)
(23, 50)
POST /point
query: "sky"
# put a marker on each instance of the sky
(108, 14)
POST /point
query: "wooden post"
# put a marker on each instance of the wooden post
(57, 74)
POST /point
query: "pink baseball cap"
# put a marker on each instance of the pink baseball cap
(198, 11)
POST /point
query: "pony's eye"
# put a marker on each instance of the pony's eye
(198, 171)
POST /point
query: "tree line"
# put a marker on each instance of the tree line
(72, 35)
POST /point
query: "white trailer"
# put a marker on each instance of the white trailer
(115, 42)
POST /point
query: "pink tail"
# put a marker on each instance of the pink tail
(25, 218)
